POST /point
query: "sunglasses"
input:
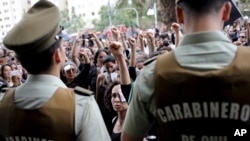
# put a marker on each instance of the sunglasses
(243, 37)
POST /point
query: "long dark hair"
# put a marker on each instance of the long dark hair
(2, 68)
(97, 54)
(108, 95)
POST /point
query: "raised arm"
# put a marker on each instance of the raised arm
(151, 42)
(117, 50)
(132, 67)
(124, 44)
(76, 49)
(132, 43)
(96, 39)
(141, 41)
(178, 33)
(116, 33)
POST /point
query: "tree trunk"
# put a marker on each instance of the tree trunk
(167, 11)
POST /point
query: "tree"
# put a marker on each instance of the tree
(142, 6)
(73, 23)
(244, 7)
(103, 22)
(118, 16)
(167, 11)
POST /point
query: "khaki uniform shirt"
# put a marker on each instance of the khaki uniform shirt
(202, 51)
(38, 89)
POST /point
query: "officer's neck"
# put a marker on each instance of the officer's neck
(52, 71)
(202, 24)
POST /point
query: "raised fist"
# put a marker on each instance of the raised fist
(116, 48)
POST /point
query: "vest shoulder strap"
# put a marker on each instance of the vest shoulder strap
(147, 62)
(82, 91)
(8, 95)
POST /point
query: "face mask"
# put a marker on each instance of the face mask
(114, 76)
(111, 77)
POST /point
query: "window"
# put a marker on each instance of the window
(93, 13)
(83, 14)
(0, 19)
(3, 33)
(29, 2)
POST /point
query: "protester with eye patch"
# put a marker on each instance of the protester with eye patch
(117, 93)
(76, 73)
(73, 77)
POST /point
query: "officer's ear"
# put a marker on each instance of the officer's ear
(179, 15)
(58, 56)
(226, 11)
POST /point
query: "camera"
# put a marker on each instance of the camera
(86, 36)
(12, 58)
(165, 43)
(163, 35)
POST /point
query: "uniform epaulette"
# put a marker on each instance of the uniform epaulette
(82, 91)
(150, 60)
(3, 90)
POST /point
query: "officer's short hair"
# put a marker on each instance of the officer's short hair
(200, 6)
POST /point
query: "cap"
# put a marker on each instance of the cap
(36, 31)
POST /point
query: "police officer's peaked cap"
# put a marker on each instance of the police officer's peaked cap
(36, 31)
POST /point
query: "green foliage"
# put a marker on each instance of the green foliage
(122, 13)
(243, 1)
(119, 16)
(73, 23)
(141, 5)
(103, 22)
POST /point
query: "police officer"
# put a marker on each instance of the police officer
(44, 108)
(199, 91)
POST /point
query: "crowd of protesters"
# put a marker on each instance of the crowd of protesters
(110, 69)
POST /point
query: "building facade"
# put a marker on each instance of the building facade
(11, 11)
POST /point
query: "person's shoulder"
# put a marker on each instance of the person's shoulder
(82, 91)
